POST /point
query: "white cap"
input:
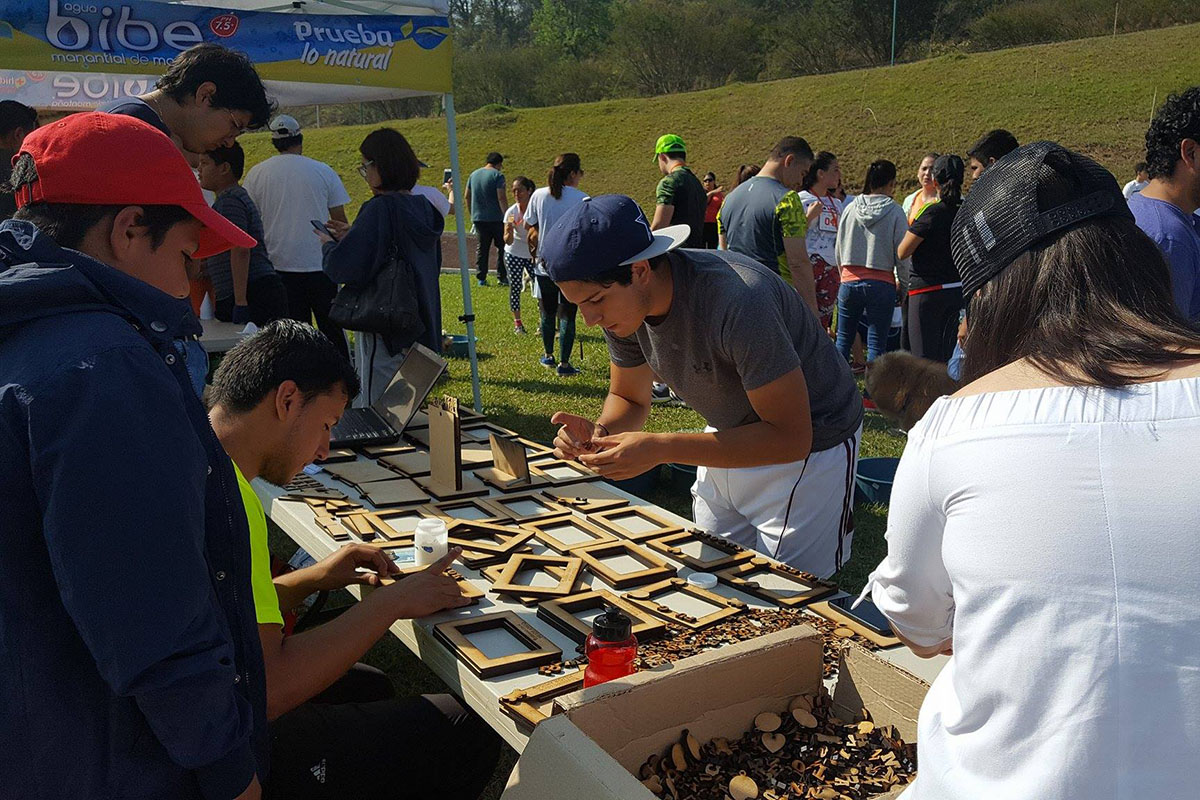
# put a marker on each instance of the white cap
(284, 126)
(703, 580)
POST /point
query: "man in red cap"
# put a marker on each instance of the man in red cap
(132, 666)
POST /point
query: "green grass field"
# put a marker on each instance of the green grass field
(1095, 95)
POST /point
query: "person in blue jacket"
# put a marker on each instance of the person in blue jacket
(130, 664)
(394, 220)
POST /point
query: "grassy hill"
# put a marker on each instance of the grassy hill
(1094, 95)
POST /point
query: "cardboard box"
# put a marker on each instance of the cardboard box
(594, 747)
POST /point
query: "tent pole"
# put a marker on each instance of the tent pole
(461, 226)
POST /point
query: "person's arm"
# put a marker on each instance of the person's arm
(338, 214)
(908, 245)
(509, 231)
(112, 433)
(502, 193)
(793, 227)
(812, 210)
(531, 239)
(352, 259)
(337, 571)
(448, 186)
(239, 270)
(467, 198)
(664, 203)
(662, 216)
(301, 666)
(783, 434)
(234, 209)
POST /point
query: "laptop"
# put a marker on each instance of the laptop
(387, 417)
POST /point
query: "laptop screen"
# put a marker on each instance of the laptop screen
(410, 386)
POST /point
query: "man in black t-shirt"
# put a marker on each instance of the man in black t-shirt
(680, 198)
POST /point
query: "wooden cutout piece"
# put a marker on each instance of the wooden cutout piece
(444, 431)
(413, 463)
(587, 498)
(398, 525)
(566, 534)
(571, 567)
(378, 451)
(834, 614)
(526, 507)
(653, 567)
(468, 510)
(468, 589)
(455, 634)
(562, 614)
(493, 571)
(360, 473)
(398, 492)
(470, 487)
(484, 543)
(530, 706)
(561, 472)
(511, 470)
(648, 597)
(707, 552)
(742, 576)
(636, 523)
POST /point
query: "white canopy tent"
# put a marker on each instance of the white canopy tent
(80, 55)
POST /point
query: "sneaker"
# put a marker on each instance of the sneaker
(482, 281)
(565, 370)
(519, 327)
(660, 393)
(548, 362)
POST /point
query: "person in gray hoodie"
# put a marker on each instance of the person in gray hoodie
(870, 230)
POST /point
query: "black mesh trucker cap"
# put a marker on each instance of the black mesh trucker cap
(1032, 192)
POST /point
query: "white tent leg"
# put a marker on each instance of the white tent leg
(461, 226)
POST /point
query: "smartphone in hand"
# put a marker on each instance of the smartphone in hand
(320, 227)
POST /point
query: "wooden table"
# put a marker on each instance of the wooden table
(220, 337)
(297, 520)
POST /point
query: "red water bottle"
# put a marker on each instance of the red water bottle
(611, 648)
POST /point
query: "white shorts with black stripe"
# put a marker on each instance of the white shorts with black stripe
(799, 513)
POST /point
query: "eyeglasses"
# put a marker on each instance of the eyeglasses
(236, 126)
(362, 168)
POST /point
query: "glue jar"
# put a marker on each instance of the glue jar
(430, 541)
(611, 648)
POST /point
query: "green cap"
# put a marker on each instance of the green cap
(669, 143)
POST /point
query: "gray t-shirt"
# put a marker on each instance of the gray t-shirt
(734, 327)
(484, 183)
(236, 206)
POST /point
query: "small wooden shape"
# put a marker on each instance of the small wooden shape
(774, 582)
(468, 510)
(336, 456)
(636, 523)
(378, 451)
(468, 589)
(834, 614)
(411, 462)
(675, 600)
(700, 551)
(304, 487)
(566, 534)
(511, 470)
(398, 525)
(565, 584)
(526, 507)
(469, 486)
(537, 649)
(561, 472)
(564, 615)
(530, 706)
(587, 498)
(443, 440)
(360, 526)
(493, 571)
(359, 473)
(398, 492)
(645, 566)
(485, 543)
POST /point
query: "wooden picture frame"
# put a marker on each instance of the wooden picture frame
(650, 598)
(829, 612)
(526, 507)
(492, 574)
(653, 568)
(651, 524)
(468, 589)
(741, 576)
(560, 472)
(723, 553)
(530, 706)
(455, 634)
(565, 582)
(471, 509)
(562, 614)
(392, 523)
(552, 533)
(586, 498)
(485, 543)
(398, 492)
(412, 463)
(483, 430)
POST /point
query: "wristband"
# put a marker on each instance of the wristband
(603, 427)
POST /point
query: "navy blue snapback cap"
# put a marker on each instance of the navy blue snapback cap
(601, 233)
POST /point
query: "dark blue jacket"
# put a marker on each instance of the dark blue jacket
(130, 663)
(416, 226)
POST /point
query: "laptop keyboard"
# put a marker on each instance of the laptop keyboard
(357, 427)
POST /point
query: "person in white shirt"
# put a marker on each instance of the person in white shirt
(516, 248)
(291, 191)
(1141, 179)
(823, 209)
(1043, 519)
(546, 206)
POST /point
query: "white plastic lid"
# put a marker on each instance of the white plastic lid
(431, 527)
(702, 580)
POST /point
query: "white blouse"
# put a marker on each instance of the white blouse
(1054, 535)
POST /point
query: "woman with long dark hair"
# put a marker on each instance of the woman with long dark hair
(934, 286)
(546, 206)
(870, 231)
(393, 221)
(1043, 519)
(516, 248)
(823, 210)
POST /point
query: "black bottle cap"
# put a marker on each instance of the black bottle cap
(612, 626)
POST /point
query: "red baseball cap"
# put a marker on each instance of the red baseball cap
(103, 159)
